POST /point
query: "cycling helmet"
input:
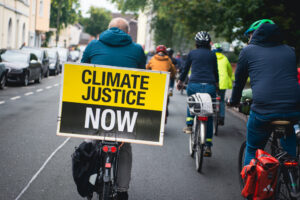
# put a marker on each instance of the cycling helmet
(217, 46)
(170, 51)
(202, 37)
(161, 48)
(257, 24)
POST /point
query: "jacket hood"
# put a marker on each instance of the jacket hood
(115, 37)
(219, 55)
(161, 58)
(267, 35)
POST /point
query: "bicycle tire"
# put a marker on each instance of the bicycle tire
(215, 124)
(282, 189)
(192, 138)
(241, 163)
(106, 192)
(199, 149)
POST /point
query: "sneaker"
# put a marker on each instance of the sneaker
(207, 152)
(122, 196)
(188, 129)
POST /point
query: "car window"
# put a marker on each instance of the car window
(33, 57)
(11, 56)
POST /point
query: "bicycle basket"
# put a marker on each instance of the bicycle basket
(200, 104)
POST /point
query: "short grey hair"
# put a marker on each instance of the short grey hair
(120, 23)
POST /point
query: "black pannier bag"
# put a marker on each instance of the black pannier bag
(85, 162)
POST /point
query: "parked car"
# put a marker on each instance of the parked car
(3, 75)
(23, 66)
(64, 56)
(74, 55)
(54, 65)
(43, 58)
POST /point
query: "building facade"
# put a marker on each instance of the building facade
(145, 35)
(23, 22)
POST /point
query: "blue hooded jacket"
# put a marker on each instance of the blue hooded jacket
(272, 68)
(115, 48)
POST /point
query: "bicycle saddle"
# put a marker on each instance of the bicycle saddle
(280, 122)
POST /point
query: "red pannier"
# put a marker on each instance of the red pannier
(260, 177)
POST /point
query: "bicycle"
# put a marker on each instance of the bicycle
(202, 106)
(288, 171)
(216, 116)
(106, 179)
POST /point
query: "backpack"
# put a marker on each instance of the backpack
(260, 177)
(85, 162)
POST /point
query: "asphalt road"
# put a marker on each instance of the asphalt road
(36, 164)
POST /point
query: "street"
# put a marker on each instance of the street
(36, 164)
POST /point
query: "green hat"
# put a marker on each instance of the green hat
(217, 45)
(257, 24)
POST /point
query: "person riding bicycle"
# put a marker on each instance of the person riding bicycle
(204, 78)
(161, 62)
(225, 78)
(271, 66)
(115, 48)
(170, 52)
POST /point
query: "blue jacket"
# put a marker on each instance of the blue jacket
(272, 68)
(114, 48)
(204, 67)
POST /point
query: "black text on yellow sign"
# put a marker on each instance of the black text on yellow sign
(113, 103)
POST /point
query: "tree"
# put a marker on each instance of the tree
(63, 13)
(97, 22)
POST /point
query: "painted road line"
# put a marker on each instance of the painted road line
(2, 102)
(49, 87)
(15, 98)
(55, 85)
(39, 90)
(28, 93)
(41, 169)
(50, 77)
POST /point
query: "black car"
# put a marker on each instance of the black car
(54, 65)
(22, 67)
(42, 57)
(64, 56)
(3, 74)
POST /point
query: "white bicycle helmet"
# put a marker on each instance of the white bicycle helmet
(202, 37)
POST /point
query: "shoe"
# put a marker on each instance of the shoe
(207, 152)
(188, 129)
(122, 195)
(221, 121)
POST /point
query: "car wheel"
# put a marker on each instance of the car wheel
(26, 79)
(39, 79)
(2, 81)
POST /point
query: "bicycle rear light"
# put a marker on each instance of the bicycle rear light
(107, 165)
(105, 148)
(202, 118)
(218, 98)
(113, 149)
(291, 163)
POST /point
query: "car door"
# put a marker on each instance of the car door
(34, 67)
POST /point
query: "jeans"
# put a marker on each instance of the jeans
(222, 103)
(172, 82)
(258, 133)
(202, 88)
(124, 167)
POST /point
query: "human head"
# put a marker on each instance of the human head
(119, 23)
(170, 51)
(218, 47)
(202, 39)
(254, 26)
(161, 48)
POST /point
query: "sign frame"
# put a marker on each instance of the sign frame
(95, 137)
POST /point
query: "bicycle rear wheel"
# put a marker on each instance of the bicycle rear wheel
(282, 188)
(192, 138)
(215, 124)
(241, 163)
(107, 192)
(200, 146)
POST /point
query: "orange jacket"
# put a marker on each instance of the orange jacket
(162, 63)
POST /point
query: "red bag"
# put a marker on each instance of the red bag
(260, 177)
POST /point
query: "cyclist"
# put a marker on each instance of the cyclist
(174, 61)
(225, 78)
(271, 66)
(115, 48)
(204, 78)
(161, 62)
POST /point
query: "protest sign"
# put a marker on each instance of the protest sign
(113, 103)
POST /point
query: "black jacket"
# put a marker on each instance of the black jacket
(272, 68)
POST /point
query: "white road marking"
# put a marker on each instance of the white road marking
(51, 77)
(49, 87)
(41, 169)
(2, 102)
(55, 85)
(15, 98)
(28, 93)
(39, 90)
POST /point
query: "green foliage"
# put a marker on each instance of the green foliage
(63, 13)
(97, 21)
(228, 19)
